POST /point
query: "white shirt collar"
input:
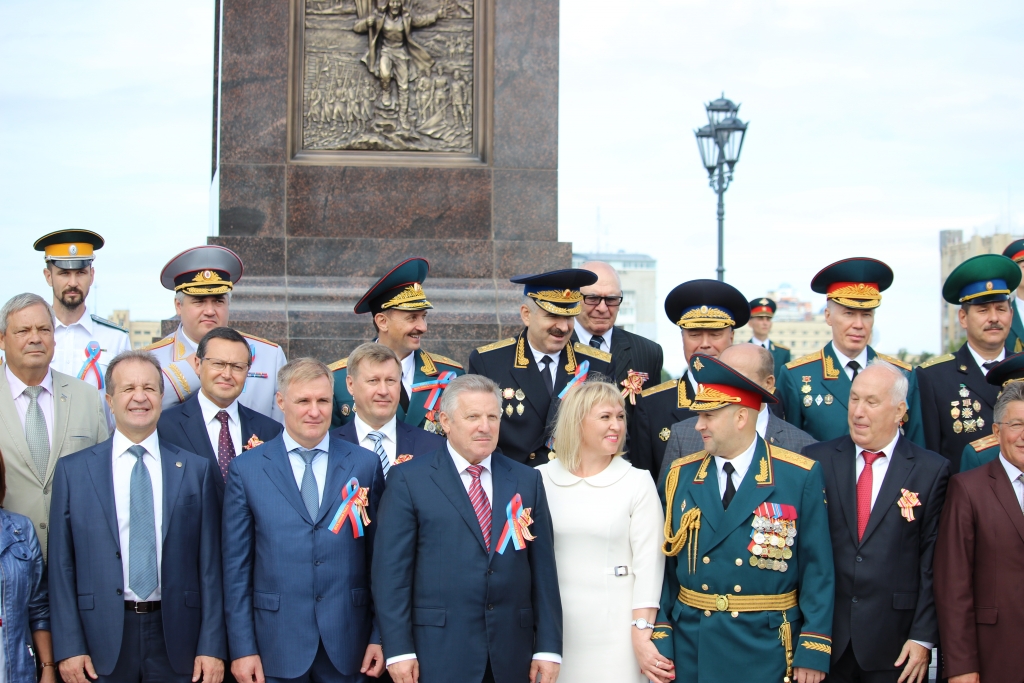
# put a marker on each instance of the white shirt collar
(537, 355)
(887, 450)
(18, 387)
(85, 321)
(193, 344)
(762, 420)
(585, 335)
(766, 344)
(291, 444)
(210, 409)
(862, 357)
(122, 443)
(1011, 470)
(979, 360)
(691, 380)
(741, 463)
(461, 463)
(389, 430)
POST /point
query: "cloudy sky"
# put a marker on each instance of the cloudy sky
(873, 126)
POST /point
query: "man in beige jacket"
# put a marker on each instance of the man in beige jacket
(43, 414)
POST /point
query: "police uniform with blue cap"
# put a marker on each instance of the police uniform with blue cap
(955, 399)
(766, 308)
(1015, 341)
(986, 449)
(815, 389)
(401, 289)
(693, 305)
(749, 585)
(528, 404)
(212, 270)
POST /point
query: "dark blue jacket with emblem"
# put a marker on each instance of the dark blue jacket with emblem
(411, 441)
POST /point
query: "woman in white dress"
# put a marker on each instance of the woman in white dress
(608, 534)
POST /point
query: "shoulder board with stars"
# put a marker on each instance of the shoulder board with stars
(895, 361)
(255, 338)
(338, 365)
(689, 459)
(443, 360)
(792, 458)
(496, 345)
(160, 344)
(664, 386)
(107, 323)
(588, 350)
(985, 442)
(804, 360)
(936, 360)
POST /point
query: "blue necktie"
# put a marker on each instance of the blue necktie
(142, 572)
(308, 489)
(378, 447)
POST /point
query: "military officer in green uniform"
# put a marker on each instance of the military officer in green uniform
(399, 308)
(815, 389)
(955, 401)
(1015, 341)
(707, 312)
(986, 449)
(762, 311)
(536, 368)
(749, 584)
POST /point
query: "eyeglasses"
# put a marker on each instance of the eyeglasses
(220, 365)
(595, 300)
(1014, 426)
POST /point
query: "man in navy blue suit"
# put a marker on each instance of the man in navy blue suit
(300, 516)
(374, 380)
(211, 422)
(463, 593)
(135, 564)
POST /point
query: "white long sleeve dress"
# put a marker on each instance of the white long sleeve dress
(608, 534)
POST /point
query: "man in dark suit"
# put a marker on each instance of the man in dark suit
(498, 619)
(979, 558)
(536, 368)
(135, 564)
(374, 380)
(211, 422)
(300, 515)
(756, 364)
(885, 496)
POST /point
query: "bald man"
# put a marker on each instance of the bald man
(756, 363)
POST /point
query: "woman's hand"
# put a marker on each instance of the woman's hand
(653, 664)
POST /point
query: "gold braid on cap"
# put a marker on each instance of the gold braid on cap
(706, 317)
(708, 398)
(859, 295)
(548, 298)
(412, 298)
(205, 283)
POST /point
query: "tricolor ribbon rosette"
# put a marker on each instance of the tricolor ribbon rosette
(405, 457)
(253, 442)
(354, 500)
(516, 531)
(582, 370)
(92, 357)
(907, 503)
(435, 387)
(633, 385)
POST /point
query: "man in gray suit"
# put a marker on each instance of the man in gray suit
(755, 363)
(44, 414)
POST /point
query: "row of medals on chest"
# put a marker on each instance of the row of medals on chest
(966, 409)
(808, 399)
(518, 394)
(773, 543)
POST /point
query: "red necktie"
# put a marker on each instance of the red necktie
(481, 506)
(225, 447)
(864, 483)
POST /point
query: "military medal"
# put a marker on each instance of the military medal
(664, 433)
(806, 388)
(508, 410)
(807, 400)
(957, 426)
(507, 394)
(345, 410)
(980, 423)
(955, 411)
(964, 391)
(520, 409)
(818, 399)
(520, 395)
(828, 399)
(977, 406)
(968, 413)
(970, 425)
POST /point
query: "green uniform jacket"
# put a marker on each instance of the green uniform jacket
(721, 646)
(1015, 340)
(979, 452)
(815, 393)
(429, 366)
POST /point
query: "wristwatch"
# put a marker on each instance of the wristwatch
(642, 623)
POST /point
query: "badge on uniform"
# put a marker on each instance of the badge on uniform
(516, 526)
(633, 385)
(907, 503)
(806, 388)
(354, 501)
(664, 433)
(772, 536)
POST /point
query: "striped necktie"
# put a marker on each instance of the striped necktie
(481, 506)
(378, 447)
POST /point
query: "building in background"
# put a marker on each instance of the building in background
(954, 251)
(638, 273)
(141, 332)
(796, 325)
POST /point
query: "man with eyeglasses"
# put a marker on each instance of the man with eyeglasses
(211, 422)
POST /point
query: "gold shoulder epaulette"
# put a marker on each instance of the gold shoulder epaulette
(338, 365)
(444, 360)
(496, 345)
(985, 443)
(588, 350)
(260, 339)
(935, 360)
(664, 386)
(160, 344)
(780, 346)
(792, 458)
(689, 459)
(896, 361)
(804, 360)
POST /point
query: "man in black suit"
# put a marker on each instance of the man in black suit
(885, 494)
(374, 380)
(211, 422)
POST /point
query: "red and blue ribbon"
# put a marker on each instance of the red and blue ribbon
(582, 370)
(354, 500)
(435, 386)
(92, 357)
(517, 520)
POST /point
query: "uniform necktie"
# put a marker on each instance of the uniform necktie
(855, 366)
(378, 447)
(596, 341)
(225, 446)
(308, 489)
(864, 484)
(730, 488)
(988, 365)
(481, 506)
(403, 399)
(142, 572)
(547, 374)
(35, 432)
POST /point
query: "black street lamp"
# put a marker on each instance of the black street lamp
(720, 143)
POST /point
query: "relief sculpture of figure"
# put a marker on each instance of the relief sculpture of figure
(459, 100)
(391, 48)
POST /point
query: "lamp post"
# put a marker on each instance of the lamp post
(720, 143)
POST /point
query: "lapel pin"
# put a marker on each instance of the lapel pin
(177, 464)
(63, 398)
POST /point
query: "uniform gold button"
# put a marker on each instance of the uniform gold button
(533, 456)
(707, 613)
(739, 562)
(704, 586)
(551, 455)
(735, 614)
(707, 560)
(737, 589)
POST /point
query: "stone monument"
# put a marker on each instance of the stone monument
(352, 134)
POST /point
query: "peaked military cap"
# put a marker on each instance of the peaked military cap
(982, 280)
(763, 307)
(558, 291)
(718, 386)
(207, 270)
(1015, 251)
(854, 282)
(69, 249)
(401, 289)
(1010, 369)
(706, 304)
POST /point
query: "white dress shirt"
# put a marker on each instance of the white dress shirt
(586, 336)
(691, 380)
(70, 342)
(979, 360)
(124, 463)
(299, 465)
(766, 344)
(210, 410)
(878, 468)
(762, 421)
(741, 463)
(1014, 474)
(552, 367)
(22, 400)
(862, 359)
(389, 442)
(408, 374)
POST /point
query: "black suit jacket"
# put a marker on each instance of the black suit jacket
(183, 426)
(413, 441)
(884, 593)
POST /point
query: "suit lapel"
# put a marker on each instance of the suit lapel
(503, 488)
(403, 439)
(61, 413)
(844, 479)
(681, 413)
(1007, 497)
(707, 496)
(891, 490)
(195, 429)
(774, 430)
(339, 467)
(530, 381)
(622, 356)
(279, 469)
(101, 471)
(9, 416)
(446, 477)
(840, 386)
(347, 431)
(748, 496)
(173, 476)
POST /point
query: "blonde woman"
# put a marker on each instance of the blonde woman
(608, 532)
